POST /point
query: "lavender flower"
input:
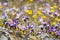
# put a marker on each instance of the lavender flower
(31, 25)
(7, 22)
(16, 21)
(41, 26)
(22, 27)
(11, 9)
(25, 8)
(5, 16)
(41, 0)
(20, 0)
(54, 29)
(12, 25)
(41, 20)
(26, 28)
(46, 4)
(44, 30)
(19, 14)
(50, 30)
(24, 17)
(58, 33)
(5, 3)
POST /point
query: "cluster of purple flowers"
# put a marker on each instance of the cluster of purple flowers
(32, 17)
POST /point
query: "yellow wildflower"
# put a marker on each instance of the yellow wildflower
(21, 32)
(59, 8)
(53, 23)
(29, 11)
(10, 20)
(52, 33)
(44, 17)
(30, 28)
(31, 0)
(14, 6)
(1, 6)
(52, 10)
(54, 6)
(19, 25)
(34, 16)
(16, 28)
(40, 7)
(56, 19)
(39, 13)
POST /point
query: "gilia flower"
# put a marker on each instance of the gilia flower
(58, 33)
(5, 3)
(16, 21)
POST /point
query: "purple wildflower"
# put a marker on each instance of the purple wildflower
(5, 3)
(7, 23)
(16, 21)
(12, 25)
(58, 32)
(20, 0)
(44, 30)
(24, 17)
(41, 26)
(22, 27)
(19, 14)
(41, 0)
(25, 8)
(46, 4)
(5, 15)
(31, 25)
(50, 30)
(11, 9)
(27, 27)
(54, 29)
